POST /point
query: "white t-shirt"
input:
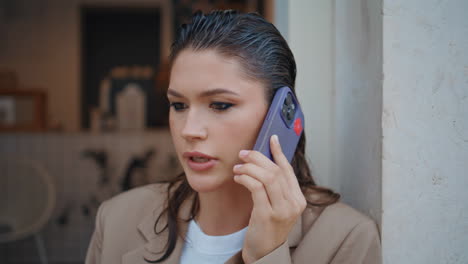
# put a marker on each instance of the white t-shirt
(204, 249)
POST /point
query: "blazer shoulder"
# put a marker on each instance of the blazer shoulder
(337, 234)
(344, 211)
(135, 201)
(357, 236)
(142, 192)
(342, 216)
(338, 220)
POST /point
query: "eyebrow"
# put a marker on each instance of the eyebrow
(205, 93)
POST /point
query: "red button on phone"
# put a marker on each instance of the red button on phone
(298, 126)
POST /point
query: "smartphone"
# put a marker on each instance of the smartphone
(284, 119)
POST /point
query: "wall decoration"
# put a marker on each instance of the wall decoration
(120, 45)
(7, 110)
(23, 110)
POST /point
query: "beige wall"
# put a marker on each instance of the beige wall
(397, 127)
(358, 104)
(41, 42)
(310, 38)
(425, 132)
(337, 46)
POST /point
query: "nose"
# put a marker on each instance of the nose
(194, 127)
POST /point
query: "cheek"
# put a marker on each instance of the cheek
(241, 132)
(175, 128)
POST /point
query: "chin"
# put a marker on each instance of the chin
(205, 183)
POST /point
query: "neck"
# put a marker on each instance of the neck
(225, 210)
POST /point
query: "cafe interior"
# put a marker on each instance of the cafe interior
(83, 113)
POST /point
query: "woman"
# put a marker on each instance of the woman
(231, 204)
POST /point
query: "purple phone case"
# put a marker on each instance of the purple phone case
(275, 124)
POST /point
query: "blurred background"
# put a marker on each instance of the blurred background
(83, 114)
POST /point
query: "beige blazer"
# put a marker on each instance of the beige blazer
(125, 234)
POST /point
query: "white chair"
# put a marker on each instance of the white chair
(27, 199)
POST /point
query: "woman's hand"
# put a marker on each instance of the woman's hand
(277, 197)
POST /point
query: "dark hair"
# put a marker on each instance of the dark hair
(265, 56)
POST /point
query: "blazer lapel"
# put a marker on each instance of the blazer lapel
(155, 245)
(145, 252)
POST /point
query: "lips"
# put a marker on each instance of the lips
(198, 161)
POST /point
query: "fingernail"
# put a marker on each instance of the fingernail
(244, 153)
(237, 166)
(275, 139)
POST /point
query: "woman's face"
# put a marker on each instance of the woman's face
(215, 112)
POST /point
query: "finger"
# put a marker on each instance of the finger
(283, 162)
(257, 158)
(278, 154)
(271, 180)
(286, 182)
(276, 185)
(256, 188)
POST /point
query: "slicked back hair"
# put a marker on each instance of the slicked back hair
(257, 45)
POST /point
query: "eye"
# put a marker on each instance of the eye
(220, 106)
(178, 106)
